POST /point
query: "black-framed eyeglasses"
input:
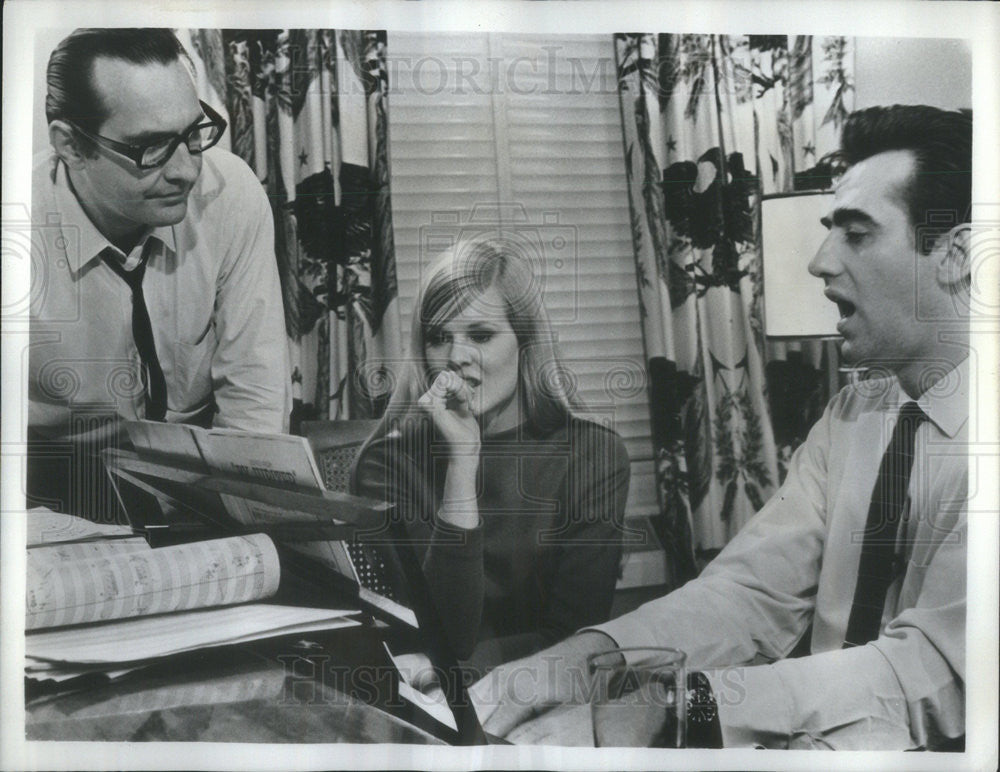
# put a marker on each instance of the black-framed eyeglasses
(155, 154)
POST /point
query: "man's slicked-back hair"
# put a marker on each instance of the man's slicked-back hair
(71, 95)
(939, 195)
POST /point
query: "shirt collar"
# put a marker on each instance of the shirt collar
(946, 403)
(92, 241)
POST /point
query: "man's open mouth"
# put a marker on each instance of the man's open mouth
(846, 308)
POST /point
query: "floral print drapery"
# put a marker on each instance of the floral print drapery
(711, 123)
(307, 110)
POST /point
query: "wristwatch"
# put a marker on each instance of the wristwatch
(703, 727)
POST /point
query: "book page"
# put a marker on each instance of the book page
(43, 670)
(389, 606)
(48, 527)
(282, 459)
(432, 701)
(185, 576)
(256, 514)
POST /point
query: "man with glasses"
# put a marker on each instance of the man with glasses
(156, 292)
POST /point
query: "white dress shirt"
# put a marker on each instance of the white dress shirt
(214, 301)
(796, 563)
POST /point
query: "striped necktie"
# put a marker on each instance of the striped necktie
(876, 569)
(153, 382)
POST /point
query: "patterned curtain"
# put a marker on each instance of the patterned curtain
(308, 111)
(710, 124)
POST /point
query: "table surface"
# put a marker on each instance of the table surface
(333, 687)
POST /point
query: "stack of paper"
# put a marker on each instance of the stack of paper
(46, 527)
(119, 579)
(101, 600)
(116, 647)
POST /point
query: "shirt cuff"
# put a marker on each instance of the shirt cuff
(626, 634)
(752, 705)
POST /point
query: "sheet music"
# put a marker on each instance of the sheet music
(158, 636)
(258, 514)
(271, 458)
(47, 527)
(57, 554)
(207, 573)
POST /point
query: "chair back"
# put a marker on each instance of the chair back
(335, 445)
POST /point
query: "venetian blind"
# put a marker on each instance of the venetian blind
(531, 122)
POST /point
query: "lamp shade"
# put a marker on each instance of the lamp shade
(791, 234)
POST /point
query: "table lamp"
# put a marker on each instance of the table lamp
(791, 233)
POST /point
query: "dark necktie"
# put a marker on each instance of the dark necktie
(876, 569)
(142, 333)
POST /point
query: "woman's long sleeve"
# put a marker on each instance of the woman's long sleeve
(451, 558)
(588, 542)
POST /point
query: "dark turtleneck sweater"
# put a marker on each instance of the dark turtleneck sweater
(543, 560)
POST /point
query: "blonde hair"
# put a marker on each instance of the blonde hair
(451, 283)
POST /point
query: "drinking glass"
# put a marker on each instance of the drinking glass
(638, 698)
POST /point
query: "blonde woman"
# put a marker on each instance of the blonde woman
(514, 500)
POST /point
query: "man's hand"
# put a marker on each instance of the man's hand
(526, 688)
(565, 726)
(636, 720)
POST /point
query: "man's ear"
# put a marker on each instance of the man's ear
(66, 143)
(954, 269)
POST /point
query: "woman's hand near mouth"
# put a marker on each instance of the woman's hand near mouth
(447, 403)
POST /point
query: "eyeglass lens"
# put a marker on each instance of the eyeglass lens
(198, 139)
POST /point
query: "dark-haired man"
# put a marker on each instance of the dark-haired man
(865, 543)
(157, 288)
